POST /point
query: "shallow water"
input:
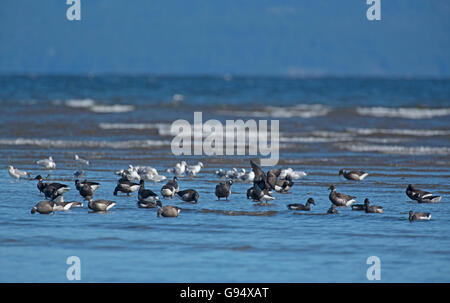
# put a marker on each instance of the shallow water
(396, 130)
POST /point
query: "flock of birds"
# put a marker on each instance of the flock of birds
(264, 185)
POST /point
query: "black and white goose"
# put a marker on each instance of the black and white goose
(259, 195)
(284, 185)
(355, 175)
(170, 188)
(101, 205)
(93, 185)
(126, 187)
(339, 199)
(168, 210)
(54, 190)
(421, 196)
(372, 208)
(298, 206)
(189, 195)
(223, 190)
(86, 192)
(418, 216)
(40, 185)
(146, 197)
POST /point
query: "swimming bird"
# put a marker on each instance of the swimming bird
(193, 170)
(146, 197)
(223, 190)
(355, 175)
(126, 187)
(189, 195)
(101, 205)
(339, 199)
(421, 196)
(170, 188)
(221, 173)
(67, 205)
(44, 207)
(47, 163)
(92, 185)
(17, 173)
(80, 160)
(372, 208)
(168, 210)
(306, 207)
(418, 216)
(332, 210)
(361, 207)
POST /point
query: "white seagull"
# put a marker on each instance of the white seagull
(82, 161)
(47, 163)
(17, 173)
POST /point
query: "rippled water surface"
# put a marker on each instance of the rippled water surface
(396, 130)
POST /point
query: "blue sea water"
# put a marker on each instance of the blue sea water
(397, 130)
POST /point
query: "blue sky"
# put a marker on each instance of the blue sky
(256, 37)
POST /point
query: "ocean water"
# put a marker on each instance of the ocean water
(396, 130)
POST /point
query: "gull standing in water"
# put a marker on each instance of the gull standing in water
(17, 173)
(47, 163)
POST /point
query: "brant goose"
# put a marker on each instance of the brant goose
(41, 185)
(146, 197)
(339, 199)
(193, 170)
(421, 196)
(168, 210)
(81, 161)
(86, 192)
(44, 207)
(126, 187)
(372, 208)
(47, 163)
(189, 195)
(306, 207)
(332, 210)
(223, 190)
(284, 185)
(171, 188)
(17, 173)
(418, 216)
(92, 185)
(355, 175)
(54, 190)
(261, 195)
(359, 207)
(101, 205)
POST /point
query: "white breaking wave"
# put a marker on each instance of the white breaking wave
(88, 144)
(93, 106)
(80, 103)
(401, 132)
(402, 150)
(408, 113)
(299, 110)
